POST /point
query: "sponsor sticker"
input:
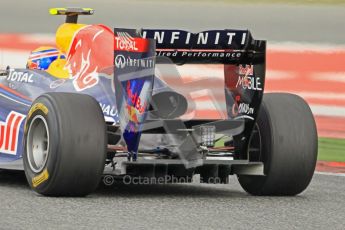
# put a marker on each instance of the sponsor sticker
(57, 83)
(246, 70)
(249, 82)
(242, 108)
(109, 110)
(202, 38)
(39, 179)
(19, 76)
(121, 62)
(125, 42)
(9, 133)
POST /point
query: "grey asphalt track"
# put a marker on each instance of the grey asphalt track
(179, 206)
(315, 24)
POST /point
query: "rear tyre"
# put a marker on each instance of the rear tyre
(65, 144)
(288, 149)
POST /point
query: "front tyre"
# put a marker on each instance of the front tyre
(288, 140)
(65, 144)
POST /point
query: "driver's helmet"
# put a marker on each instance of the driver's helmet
(42, 57)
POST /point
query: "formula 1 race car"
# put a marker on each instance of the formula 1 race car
(108, 103)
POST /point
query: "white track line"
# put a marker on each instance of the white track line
(39, 38)
(279, 75)
(330, 174)
(330, 76)
(316, 95)
(298, 47)
(331, 111)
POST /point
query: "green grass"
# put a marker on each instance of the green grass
(330, 149)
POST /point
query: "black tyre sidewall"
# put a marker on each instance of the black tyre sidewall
(289, 146)
(77, 144)
(54, 139)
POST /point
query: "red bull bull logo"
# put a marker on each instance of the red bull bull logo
(246, 70)
(135, 99)
(91, 51)
(136, 103)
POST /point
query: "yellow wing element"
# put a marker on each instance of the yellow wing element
(71, 11)
(56, 11)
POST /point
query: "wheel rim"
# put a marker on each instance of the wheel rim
(37, 147)
(255, 145)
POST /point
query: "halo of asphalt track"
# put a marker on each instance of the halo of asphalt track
(180, 206)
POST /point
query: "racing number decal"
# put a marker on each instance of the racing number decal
(9, 133)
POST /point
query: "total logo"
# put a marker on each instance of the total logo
(20, 76)
(249, 82)
(128, 44)
(122, 62)
(9, 132)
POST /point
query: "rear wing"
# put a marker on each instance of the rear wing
(213, 46)
(136, 52)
